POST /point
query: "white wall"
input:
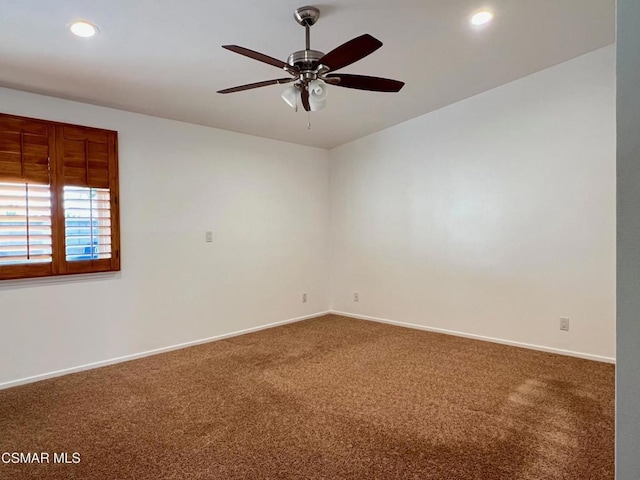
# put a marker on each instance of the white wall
(266, 202)
(494, 216)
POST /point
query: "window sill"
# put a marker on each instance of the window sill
(58, 279)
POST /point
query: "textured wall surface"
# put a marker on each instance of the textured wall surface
(494, 216)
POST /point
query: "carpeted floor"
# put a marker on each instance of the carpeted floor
(328, 398)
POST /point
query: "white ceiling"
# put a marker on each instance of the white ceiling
(163, 57)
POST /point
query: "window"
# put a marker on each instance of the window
(58, 199)
(87, 223)
(25, 223)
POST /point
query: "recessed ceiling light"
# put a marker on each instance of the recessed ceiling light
(83, 29)
(482, 17)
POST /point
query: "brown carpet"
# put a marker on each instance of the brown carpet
(328, 398)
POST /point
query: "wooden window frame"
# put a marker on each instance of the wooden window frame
(59, 264)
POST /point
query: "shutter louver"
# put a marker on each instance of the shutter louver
(24, 151)
(86, 157)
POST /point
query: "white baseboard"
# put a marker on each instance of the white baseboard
(586, 356)
(125, 358)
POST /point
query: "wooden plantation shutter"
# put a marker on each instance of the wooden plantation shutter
(25, 197)
(25, 147)
(58, 199)
(89, 229)
(87, 154)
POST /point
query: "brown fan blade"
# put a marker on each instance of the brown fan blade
(335, 80)
(256, 85)
(350, 52)
(261, 57)
(363, 82)
(305, 99)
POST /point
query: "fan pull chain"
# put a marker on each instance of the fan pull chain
(308, 120)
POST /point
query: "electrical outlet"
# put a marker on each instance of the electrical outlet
(304, 298)
(209, 237)
(564, 323)
(356, 297)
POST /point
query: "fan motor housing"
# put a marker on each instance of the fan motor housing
(305, 59)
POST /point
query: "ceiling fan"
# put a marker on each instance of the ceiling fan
(310, 70)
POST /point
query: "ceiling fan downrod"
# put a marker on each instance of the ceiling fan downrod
(306, 60)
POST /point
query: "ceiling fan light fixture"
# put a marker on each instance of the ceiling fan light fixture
(316, 105)
(292, 96)
(318, 93)
(318, 90)
(482, 17)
